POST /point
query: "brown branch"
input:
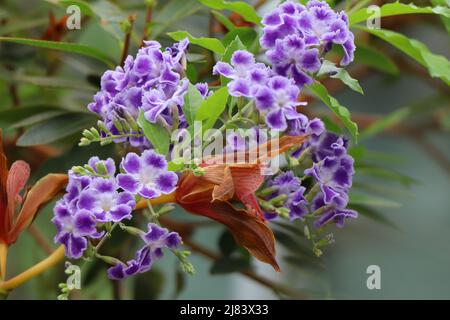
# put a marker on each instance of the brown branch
(247, 273)
(148, 19)
(126, 43)
(40, 239)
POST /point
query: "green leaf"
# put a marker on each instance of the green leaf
(56, 129)
(110, 17)
(171, 13)
(384, 174)
(37, 118)
(13, 115)
(341, 112)
(386, 122)
(445, 20)
(85, 7)
(208, 43)
(192, 102)
(248, 37)
(366, 200)
(64, 46)
(397, 8)
(245, 10)
(438, 66)
(157, 135)
(372, 214)
(212, 108)
(329, 68)
(223, 20)
(234, 45)
(49, 82)
(375, 59)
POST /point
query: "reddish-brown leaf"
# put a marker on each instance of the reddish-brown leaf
(195, 196)
(17, 178)
(42, 192)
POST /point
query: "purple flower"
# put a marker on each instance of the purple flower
(334, 174)
(296, 37)
(278, 100)
(288, 184)
(244, 139)
(102, 199)
(159, 102)
(146, 175)
(333, 213)
(73, 229)
(302, 126)
(203, 88)
(109, 164)
(245, 73)
(156, 239)
(292, 58)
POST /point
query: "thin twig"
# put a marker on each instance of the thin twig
(40, 239)
(126, 43)
(249, 274)
(148, 19)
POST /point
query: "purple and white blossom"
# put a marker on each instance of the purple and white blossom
(151, 81)
(146, 175)
(332, 213)
(288, 184)
(107, 204)
(278, 100)
(74, 229)
(296, 37)
(246, 74)
(156, 239)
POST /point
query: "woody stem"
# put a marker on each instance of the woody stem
(3, 256)
(34, 271)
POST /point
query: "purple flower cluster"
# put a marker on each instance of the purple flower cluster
(288, 184)
(151, 82)
(155, 240)
(74, 225)
(332, 172)
(92, 200)
(297, 36)
(276, 97)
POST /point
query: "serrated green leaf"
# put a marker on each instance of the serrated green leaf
(64, 46)
(192, 102)
(438, 66)
(248, 37)
(245, 10)
(341, 112)
(212, 108)
(158, 136)
(55, 129)
(397, 8)
(212, 44)
(329, 68)
(375, 59)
